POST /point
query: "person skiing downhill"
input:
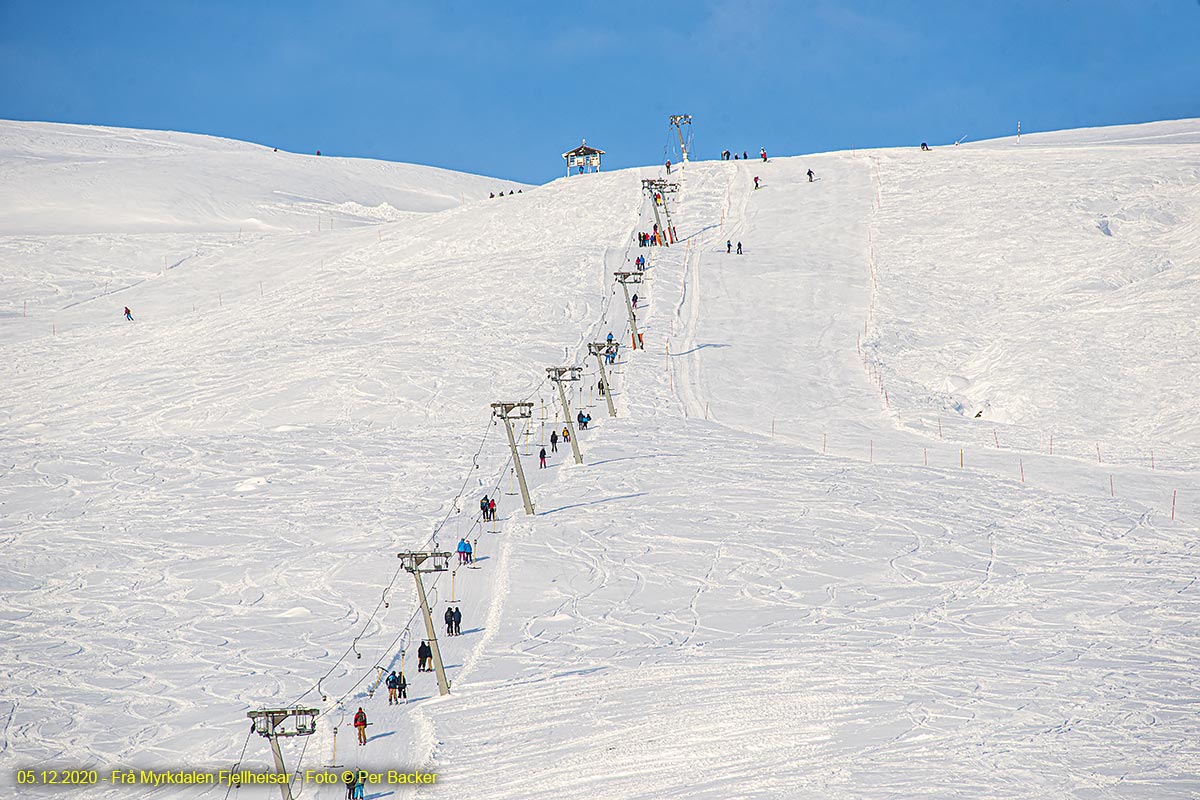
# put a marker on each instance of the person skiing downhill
(553, 441)
(810, 176)
(668, 166)
(128, 314)
(755, 181)
(360, 723)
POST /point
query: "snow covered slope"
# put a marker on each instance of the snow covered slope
(771, 577)
(70, 179)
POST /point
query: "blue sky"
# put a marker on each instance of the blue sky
(503, 88)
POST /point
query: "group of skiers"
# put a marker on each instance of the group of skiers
(466, 553)
(453, 619)
(487, 507)
(397, 688)
(510, 191)
(610, 355)
(583, 420)
(554, 440)
(648, 239)
(425, 657)
(762, 152)
(729, 246)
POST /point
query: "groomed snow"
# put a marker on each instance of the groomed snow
(771, 578)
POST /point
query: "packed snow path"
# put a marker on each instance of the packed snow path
(702, 610)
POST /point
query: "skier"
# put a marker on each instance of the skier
(582, 421)
(744, 156)
(566, 435)
(728, 246)
(360, 785)
(491, 195)
(424, 657)
(810, 176)
(600, 387)
(553, 441)
(755, 181)
(762, 151)
(668, 166)
(462, 551)
(542, 456)
(449, 615)
(492, 509)
(634, 298)
(360, 722)
(739, 250)
(351, 780)
(128, 314)
(457, 622)
(924, 146)
(609, 340)
(395, 683)
(483, 507)
(470, 554)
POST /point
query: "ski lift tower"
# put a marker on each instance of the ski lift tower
(657, 190)
(508, 412)
(271, 723)
(626, 278)
(602, 350)
(677, 122)
(583, 158)
(558, 375)
(438, 562)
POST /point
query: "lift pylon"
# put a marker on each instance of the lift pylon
(625, 279)
(417, 563)
(602, 350)
(273, 723)
(509, 412)
(560, 375)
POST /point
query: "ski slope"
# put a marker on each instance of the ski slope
(771, 577)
